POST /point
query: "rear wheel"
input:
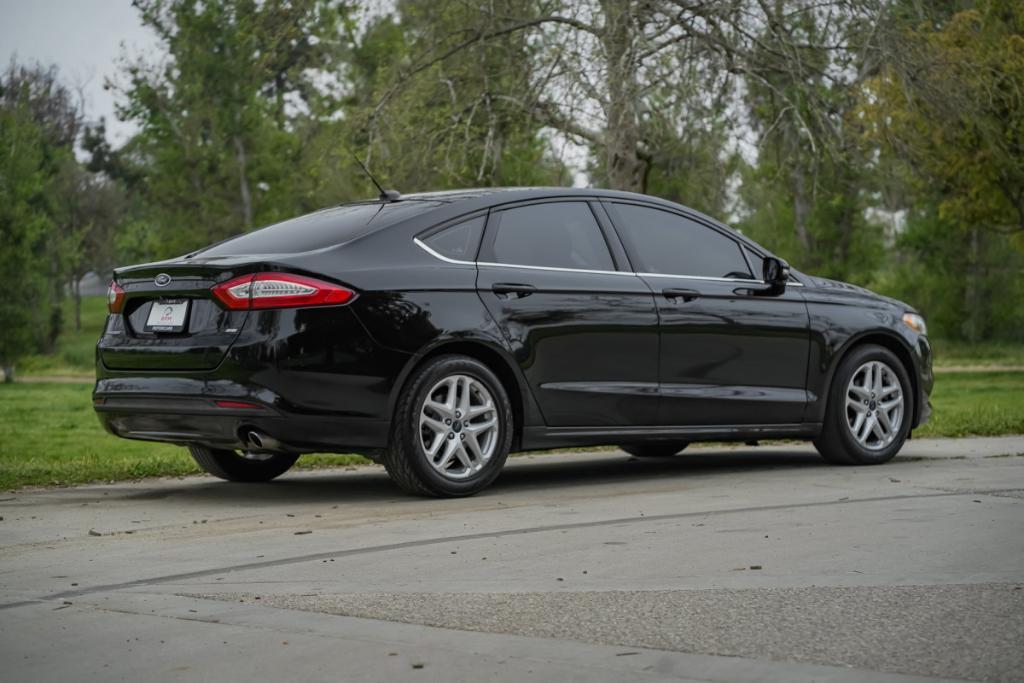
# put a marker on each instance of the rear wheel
(452, 429)
(237, 466)
(655, 449)
(870, 408)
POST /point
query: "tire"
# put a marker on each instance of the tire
(428, 457)
(232, 466)
(654, 449)
(876, 370)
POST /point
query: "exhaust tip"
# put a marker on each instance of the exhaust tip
(259, 442)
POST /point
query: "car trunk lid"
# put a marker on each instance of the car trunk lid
(170, 319)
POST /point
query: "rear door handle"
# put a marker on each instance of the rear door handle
(684, 294)
(507, 290)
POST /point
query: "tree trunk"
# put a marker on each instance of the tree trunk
(76, 292)
(972, 291)
(801, 212)
(8, 374)
(243, 184)
(846, 227)
(626, 168)
(56, 321)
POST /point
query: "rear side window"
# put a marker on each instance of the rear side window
(325, 228)
(670, 244)
(552, 235)
(460, 241)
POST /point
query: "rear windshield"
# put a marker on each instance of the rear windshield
(325, 228)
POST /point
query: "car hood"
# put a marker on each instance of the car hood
(825, 284)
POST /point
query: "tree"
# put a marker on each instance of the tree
(88, 208)
(452, 126)
(953, 110)
(605, 68)
(218, 141)
(25, 227)
(34, 98)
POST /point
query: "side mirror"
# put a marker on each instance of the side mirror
(776, 273)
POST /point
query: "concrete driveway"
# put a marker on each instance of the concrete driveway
(724, 564)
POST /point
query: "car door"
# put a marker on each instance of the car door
(583, 328)
(730, 354)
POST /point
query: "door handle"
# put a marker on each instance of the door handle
(506, 290)
(684, 294)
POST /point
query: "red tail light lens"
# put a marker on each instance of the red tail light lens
(279, 290)
(115, 298)
(238, 405)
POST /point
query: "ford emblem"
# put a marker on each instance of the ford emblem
(162, 280)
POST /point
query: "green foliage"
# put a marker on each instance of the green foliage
(807, 194)
(221, 122)
(956, 117)
(75, 351)
(56, 217)
(889, 147)
(947, 116)
(452, 126)
(25, 231)
(969, 284)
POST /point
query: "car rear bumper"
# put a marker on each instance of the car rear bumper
(198, 418)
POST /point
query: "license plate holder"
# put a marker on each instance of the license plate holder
(167, 315)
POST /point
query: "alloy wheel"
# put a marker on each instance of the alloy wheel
(874, 405)
(458, 426)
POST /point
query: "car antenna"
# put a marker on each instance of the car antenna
(386, 196)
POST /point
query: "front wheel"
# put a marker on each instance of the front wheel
(870, 408)
(452, 429)
(248, 467)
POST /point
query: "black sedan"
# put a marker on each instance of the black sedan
(438, 332)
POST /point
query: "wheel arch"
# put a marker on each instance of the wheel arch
(497, 360)
(888, 340)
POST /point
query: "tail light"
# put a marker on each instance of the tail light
(279, 290)
(115, 298)
(238, 405)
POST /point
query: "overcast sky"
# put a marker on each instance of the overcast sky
(84, 38)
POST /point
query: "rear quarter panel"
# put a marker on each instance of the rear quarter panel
(416, 305)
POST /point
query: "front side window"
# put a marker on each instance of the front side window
(552, 235)
(459, 241)
(670, 244)
(756, 263)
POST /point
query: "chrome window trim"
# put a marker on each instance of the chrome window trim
(556, 269)
(703, 277)
(789, 283)
(433, 253)
(441, 257)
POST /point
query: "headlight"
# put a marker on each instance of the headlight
(915, 322)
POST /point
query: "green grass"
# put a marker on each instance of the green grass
(976, 404)
(75, 350)
(983, 353)
(50, 436)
